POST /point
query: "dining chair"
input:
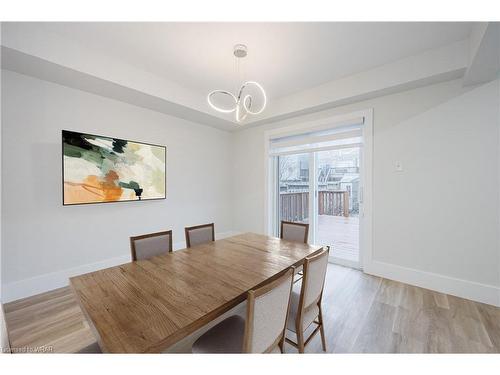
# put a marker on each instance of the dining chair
(295, 232)
(200, 234)
(150, 245)
(264, 329)
(305, 308)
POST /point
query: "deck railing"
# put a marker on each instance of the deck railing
(333, 202)
(295, 206)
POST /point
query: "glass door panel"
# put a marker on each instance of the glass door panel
(293, 188)
(338, 188)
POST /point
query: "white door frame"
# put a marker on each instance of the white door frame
(366, 225)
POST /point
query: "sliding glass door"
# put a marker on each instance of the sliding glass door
(320, 183)
(293, 187)
(338, 186)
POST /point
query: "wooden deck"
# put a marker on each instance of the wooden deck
(341, 232)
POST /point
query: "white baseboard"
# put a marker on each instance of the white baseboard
(43, 283)
(344, 262)
(474, 291)
(49, 281)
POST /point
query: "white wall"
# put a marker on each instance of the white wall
(43, 241)
(436, 223)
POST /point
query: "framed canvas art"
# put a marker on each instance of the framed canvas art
(98, 169)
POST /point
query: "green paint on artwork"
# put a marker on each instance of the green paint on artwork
(93, 157)
(158, 180)
(130, 185)
(72, 151)
(118, 145)
(133, 186)
(159, 153)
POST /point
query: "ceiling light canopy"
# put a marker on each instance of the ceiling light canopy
(242, 103)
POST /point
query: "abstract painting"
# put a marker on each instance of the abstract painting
(99, 169)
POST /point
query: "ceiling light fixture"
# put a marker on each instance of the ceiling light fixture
(241, 103)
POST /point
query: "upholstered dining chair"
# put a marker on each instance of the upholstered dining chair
(295, 232)
(305, 308)
(200, 234)
(150, 245)
(264, 329)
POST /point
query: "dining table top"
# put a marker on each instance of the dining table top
(148, 305)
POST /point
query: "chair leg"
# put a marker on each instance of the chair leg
(281, 344)
(321, 329)
(300, 340)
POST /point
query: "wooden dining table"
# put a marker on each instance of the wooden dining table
(149, 305)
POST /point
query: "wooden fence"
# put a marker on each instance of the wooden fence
(335, 203)
(295, 206)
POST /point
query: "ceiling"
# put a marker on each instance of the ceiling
(284, 57)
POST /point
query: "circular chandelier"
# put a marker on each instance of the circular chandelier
(242, 102)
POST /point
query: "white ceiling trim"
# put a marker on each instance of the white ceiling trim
(33, 66)
(444, 64)
(433, 66)
(484, 63)
(50, 57)
(50, 48)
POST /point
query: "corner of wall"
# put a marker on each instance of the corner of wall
(489, 294)
(4, 337)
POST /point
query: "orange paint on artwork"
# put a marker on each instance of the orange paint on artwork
(93, 189)
(112, 192)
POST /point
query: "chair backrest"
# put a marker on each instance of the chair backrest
(150, 245)
(267, 312)
(314, 279)
(296, 232)
(200, 234)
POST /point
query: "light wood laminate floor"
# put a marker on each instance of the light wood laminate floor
(362, 314)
